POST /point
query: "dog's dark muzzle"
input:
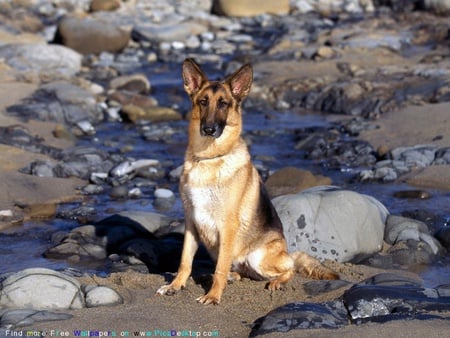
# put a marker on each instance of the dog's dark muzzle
(211, 130)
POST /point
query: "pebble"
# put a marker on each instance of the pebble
(164, 193)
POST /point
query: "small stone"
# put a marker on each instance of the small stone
(164, 193)
(119, 192)
(102, 296)
(413, 194)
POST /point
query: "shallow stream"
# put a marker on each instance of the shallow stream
(272, 135)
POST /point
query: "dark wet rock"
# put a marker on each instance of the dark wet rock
(368, 301)
(318, 287)
(157, 255)
(412, 252)
(411, 241)
(19, 136)
(97, 241)
(413, 194)
(443, 236)
(291, 180)
(73, 162)
(301, 315)
(315, 221)
(52, 60)
(403, 229)
(381, 298)
(91, 35)
(392, 279)
(333, 149)
(12, 319)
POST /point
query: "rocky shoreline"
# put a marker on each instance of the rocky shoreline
(92, 111)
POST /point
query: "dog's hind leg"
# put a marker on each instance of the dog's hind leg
(311, 267)
(272, 262)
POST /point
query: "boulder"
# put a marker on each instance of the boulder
(250, 7)
(91, 36)
(51, 60)
(329, 223)
(40, 288)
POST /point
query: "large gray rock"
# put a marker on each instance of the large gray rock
(92, 35)
(329, 223)
(40, 289)
(42, 58)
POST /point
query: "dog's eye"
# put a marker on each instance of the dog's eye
(203, 102)
(222, 104)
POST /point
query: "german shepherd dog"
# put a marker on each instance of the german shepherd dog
(226, 206)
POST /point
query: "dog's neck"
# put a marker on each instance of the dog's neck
(217, 154)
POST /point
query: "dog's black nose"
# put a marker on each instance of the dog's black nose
(209, 130)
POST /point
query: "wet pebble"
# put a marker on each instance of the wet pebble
(414, 194)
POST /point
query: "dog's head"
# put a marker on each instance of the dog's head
(216, 103)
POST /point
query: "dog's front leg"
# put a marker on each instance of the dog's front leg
(223, 267)
(190, 247)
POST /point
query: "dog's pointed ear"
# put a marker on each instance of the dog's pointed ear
(193, 76)
(241, 81)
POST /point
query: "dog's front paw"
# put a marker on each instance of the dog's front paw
(208, 299)
(169, 290)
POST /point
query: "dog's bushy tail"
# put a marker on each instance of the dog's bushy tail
(311, 267)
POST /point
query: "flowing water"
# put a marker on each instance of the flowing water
(273, 137)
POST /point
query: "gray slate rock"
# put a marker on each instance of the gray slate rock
(328, 223)
(42, 58)
(302, 315)
(40, 289)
